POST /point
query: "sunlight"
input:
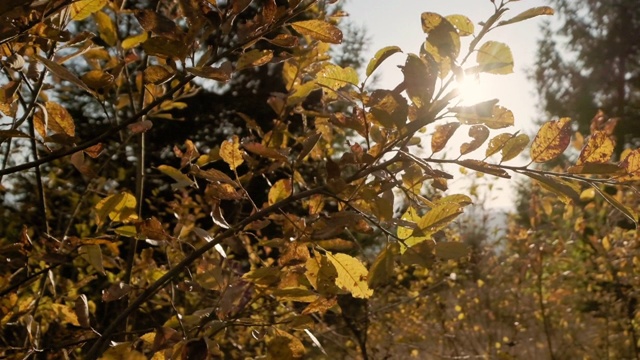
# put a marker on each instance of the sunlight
(471, 91)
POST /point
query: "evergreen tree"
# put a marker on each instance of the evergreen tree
(594, 64)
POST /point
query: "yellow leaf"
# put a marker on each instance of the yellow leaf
(82, 9)
(462, 23)
(514, 147)
(60, 121)
(135, 40)
(66, 314)
(631, 165)
(335, 77)
(599, 149)
(158, 74)
(352, 275)
(497, 143)
(551, 141)
(182, 180)
(319, 30)
(106, 28)
(231, 154)
(495, 58)
(381, 56)
(254, 57)
(528, 14)
(438, 218)
(119, 207)
(280, 191)
(382, 268)
(406, 233)
(97, 79)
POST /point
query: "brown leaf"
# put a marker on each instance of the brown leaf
(82, 311)
(156, 23)
(442, 135)
(62, 72)
(479, 133)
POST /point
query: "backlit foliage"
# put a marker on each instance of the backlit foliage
(355, 217)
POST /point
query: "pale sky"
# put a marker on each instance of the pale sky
(398, 23)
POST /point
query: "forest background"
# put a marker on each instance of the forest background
(226, 179)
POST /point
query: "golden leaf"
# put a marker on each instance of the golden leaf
(60, 121)
(352, 275)
(231, 154)
(280, 191)
(319, 30)
(551, 141)
(119, 207)
(82, 9)
(599, 149)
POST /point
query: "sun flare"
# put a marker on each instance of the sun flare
(471, 90)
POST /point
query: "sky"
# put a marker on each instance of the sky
(398, 23)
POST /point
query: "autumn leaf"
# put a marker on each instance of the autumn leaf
(106, 28)
(119, 207)
(514, 146)
(379, 57)
(222, 73)
(565, 192)
(253, 58)
(134, 40)
(381, 270)
(82, 9)
(462, 23)
(62, 72)
(485, 167)
(158, 74)
(279, 191)
(352, 275)
(528, 14)
(285, 346)
(319, 30)
(631, 165)
(479, 133)
(60, 121)
(231, 154)
(442, 135)
(335, 77)
(157, 24)
(551, 141)
(181, 180)
(495, 58)
(599, 149)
